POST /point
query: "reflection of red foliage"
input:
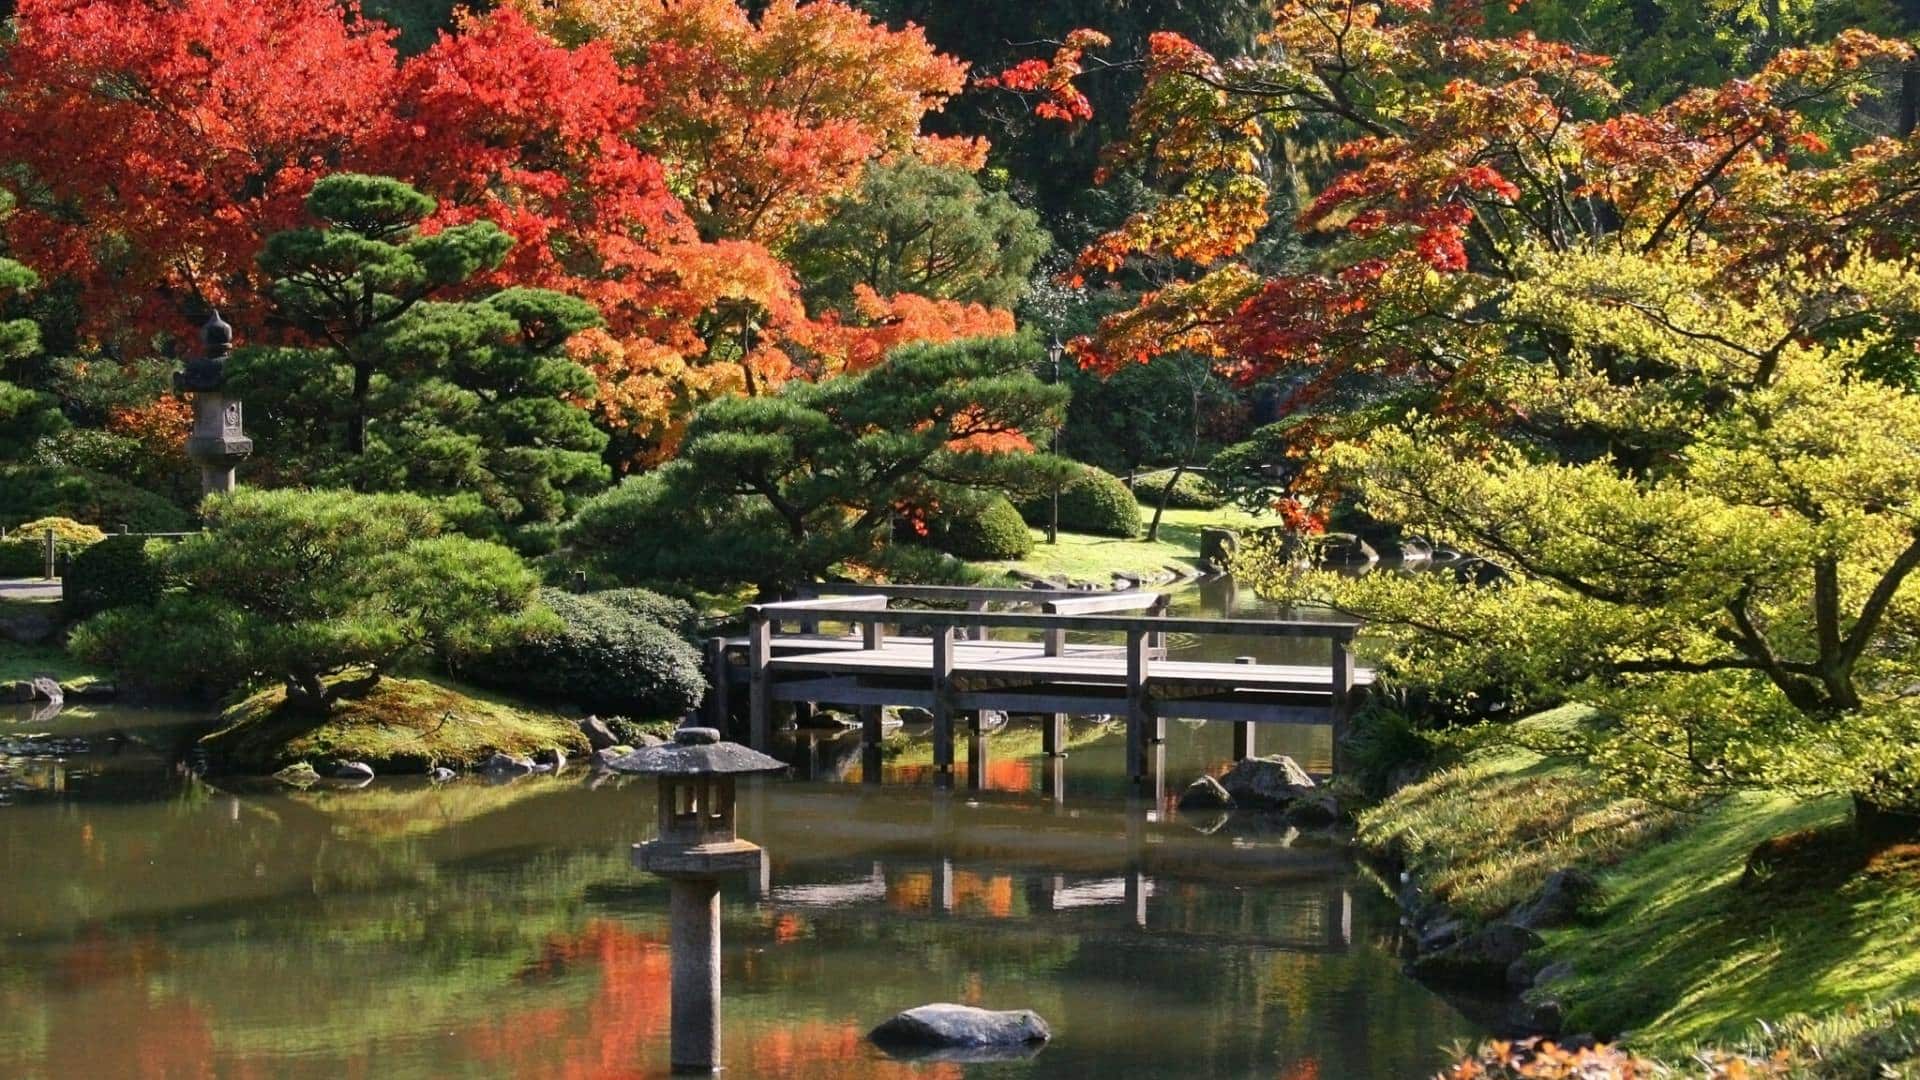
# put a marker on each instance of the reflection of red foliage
(160, 1037)
(983, 895)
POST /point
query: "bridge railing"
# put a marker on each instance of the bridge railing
(872, 614)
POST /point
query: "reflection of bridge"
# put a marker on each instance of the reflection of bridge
(1051, 673)
(1320, 921)
(1091, 874)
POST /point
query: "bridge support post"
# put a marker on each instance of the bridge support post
(1342, 712)
(759, 692)
(943, 699)
(976, 752)
(1053, 735)
(717, 675)
(1244, 743)
(1138, 735)
(873, 637)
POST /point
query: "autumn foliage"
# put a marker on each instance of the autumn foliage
(647, 157)
(1450, 152)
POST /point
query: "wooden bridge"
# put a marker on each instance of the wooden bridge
(1030, 656)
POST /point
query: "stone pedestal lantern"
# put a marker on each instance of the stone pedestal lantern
(217, 444)
(698, 845)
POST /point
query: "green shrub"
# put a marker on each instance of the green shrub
(602, 655)
(32, 491)
(116, 572)
(674, 614)
(1193, 492)
(991, 529)
(917, 564)
(1095, 501)
(23, 553)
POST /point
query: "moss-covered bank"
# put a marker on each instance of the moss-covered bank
(400, 725)
(1706, 923)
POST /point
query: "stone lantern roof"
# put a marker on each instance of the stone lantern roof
(697, 752)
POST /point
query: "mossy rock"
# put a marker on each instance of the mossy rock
(398, 726)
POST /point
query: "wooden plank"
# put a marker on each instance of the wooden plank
(759, 701)
(942, 671)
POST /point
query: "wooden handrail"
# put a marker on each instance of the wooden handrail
(955, 593)
(1103, 602)
(1022, 620)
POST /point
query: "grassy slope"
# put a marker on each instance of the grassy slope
(20, 662)
(1681, 950)
(1096, 558)
(402, 724)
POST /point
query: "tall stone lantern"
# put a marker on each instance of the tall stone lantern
(217, 444)
(697, 846)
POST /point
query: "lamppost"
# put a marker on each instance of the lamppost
(217, 444)
(1054, 352)
(697, 845)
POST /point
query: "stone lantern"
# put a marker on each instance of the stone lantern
(217, 444)
(698, 844)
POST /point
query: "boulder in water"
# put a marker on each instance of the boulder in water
(45, 689)
(1205, 794)
(502, 764)
(299, 774)
(355, 772)
(1274, 782)
(962, 1033)
(441, 775)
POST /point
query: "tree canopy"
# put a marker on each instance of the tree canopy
(404, 390)
(774, 490)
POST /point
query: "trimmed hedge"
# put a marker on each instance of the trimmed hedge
(1193, 492)
(34, 491)
(24, 551)
(116, 572)
(993, 529)
(605, 656)
(1095, 501)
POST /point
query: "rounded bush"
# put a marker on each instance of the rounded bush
(992, 529)
(116, 572)
(1193, 492)
(23, 553)
(603, 656)
(676, 615)
(1094, 501)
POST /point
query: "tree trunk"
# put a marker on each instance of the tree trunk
(357, 425)
(1166, 496)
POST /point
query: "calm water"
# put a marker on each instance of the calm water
(155, 924)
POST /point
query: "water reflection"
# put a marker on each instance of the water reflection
(219, 929)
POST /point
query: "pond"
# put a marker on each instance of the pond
(159, 923)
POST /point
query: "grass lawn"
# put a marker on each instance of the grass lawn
(1686, 945)
(1081, 557)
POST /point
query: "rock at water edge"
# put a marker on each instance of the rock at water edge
(1273, 782)
(961, 1027)
(1205, 794)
